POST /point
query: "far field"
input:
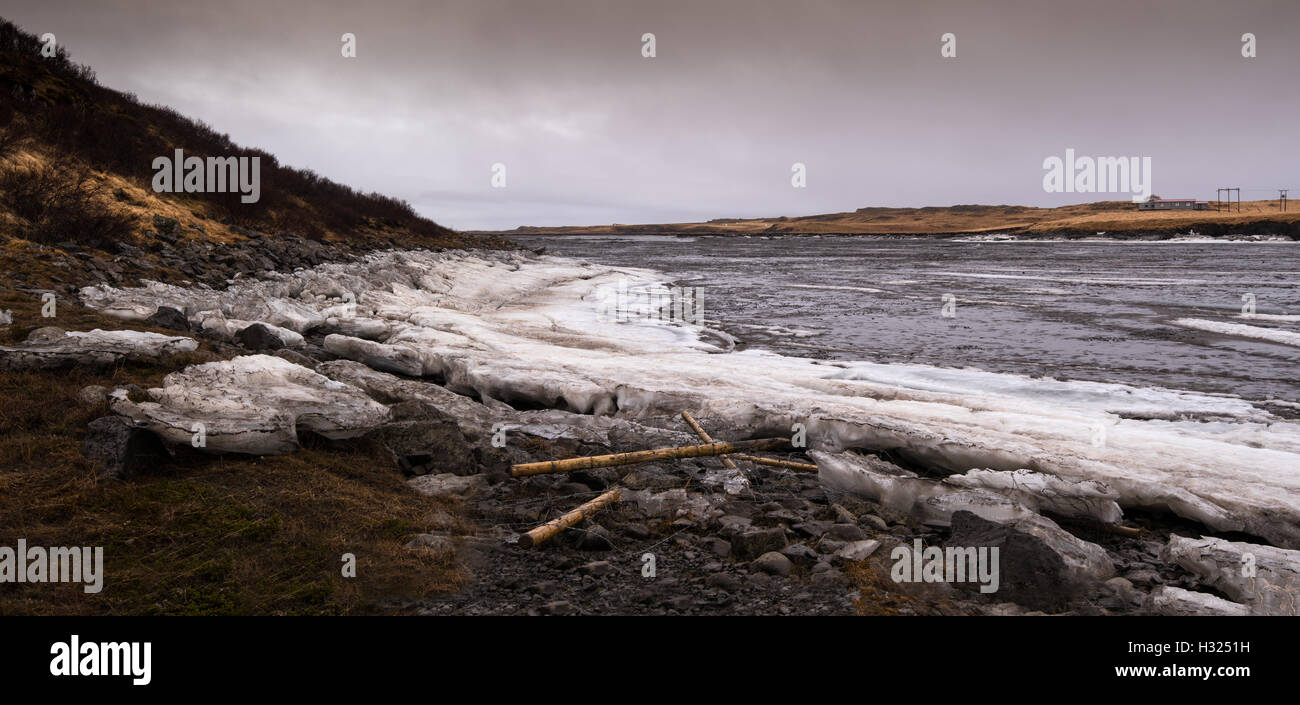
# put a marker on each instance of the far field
(1103, 216)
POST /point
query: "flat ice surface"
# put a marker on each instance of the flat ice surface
(539, 331)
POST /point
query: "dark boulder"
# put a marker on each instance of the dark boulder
(259, 337)
(120, 449)
(169, 318)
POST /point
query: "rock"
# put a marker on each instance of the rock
(800, 554)
(857, 550)
(813, 529)
(847, 532)
(773, 563)
(165, 225)
(436, 443)
(842, 515)
(724, 581)
(170, 318)
(595, 538)
(93, 394)
(447, 484)
(1122, 589)
(1263, 578)
(756, 542)
(120, 449)
(721, 547)
(874, 522)
(1030, 572)
(259, 336)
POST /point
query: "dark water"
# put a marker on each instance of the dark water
(1081, 310)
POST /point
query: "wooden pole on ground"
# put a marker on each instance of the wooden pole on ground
(778, 463)
(548, 530)
(704, 436)
(645, 456)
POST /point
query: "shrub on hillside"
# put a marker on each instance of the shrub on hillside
(62, 202)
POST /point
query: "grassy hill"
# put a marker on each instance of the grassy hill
(1111, 217)
(76, 170)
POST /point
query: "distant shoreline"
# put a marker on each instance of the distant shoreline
(1118, 220)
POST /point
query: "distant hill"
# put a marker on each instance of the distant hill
(1112, 217)
(76, 167)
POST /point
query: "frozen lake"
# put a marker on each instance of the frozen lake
(1091, 310)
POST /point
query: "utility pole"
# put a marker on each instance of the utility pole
(1281, 196)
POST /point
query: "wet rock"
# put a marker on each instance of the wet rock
(120, 449)
(773, 563)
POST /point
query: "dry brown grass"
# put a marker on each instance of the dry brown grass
(1109, 216)
(201, 534)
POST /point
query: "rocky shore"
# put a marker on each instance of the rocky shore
(463, 364)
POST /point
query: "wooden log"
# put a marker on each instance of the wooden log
(778, 463)
(1129, 531)
(548, 530)
(645, 456)
(704, 436)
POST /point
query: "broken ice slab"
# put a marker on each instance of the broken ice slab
(48, 348)
(1264, 578)
(1177, 602)
(254, 404)
(1063, 496)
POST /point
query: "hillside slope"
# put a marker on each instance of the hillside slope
(76, 189)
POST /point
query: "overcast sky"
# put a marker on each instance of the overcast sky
(591, 132)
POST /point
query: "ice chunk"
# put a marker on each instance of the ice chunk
(1068, 497)
(254, 404)
(1264, 578)
(47, 348)
(1177, 602)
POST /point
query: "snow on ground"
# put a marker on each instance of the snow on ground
(538, 331)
